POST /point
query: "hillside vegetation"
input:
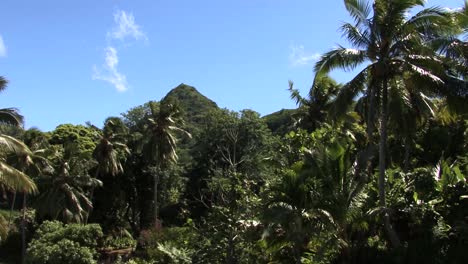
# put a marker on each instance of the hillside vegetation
(373, 170)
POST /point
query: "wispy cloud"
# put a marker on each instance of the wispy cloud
(109, 72)
(3, 49)
(126, 27)
(298, 57)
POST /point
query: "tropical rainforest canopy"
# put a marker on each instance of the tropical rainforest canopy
(373, 170)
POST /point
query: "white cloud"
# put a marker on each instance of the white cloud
(3, 49)
(109, 72)
(126, 27)
(452, 10)
(298, 57)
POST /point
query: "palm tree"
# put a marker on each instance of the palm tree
(322, 192)
(32, 163)
(9, 115)
(409, 112)
(342, 178)
(290, 215)
(455, 50)
(395, 48)
(109, 154)
(160, 142)
(14, 179)
(64, 195)
(107, 150)
(313, 110)
(10, 177)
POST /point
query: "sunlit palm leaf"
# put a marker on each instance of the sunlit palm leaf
(14, 145)
(15, 179)
(340, 58)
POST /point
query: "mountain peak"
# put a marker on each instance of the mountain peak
(194, 105)
(184, 86)
(187, 95)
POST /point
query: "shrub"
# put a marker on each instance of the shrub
(55, 242)
(170, 245)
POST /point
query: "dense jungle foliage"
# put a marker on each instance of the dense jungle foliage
(370, 171)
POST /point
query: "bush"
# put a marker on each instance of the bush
(55, 242)
(119, 242)
(170, 245)
(64, 251)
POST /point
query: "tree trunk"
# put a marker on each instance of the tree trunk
(297, 254)
(382, 158)
(11, 211)
(23, 232)
(230, 251)
(145, 200)
(370, 113)
(406, 162)
(91, 195)
(155, 204)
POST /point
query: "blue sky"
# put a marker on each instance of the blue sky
(78, 61)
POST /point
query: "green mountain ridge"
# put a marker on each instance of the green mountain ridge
(195, 106)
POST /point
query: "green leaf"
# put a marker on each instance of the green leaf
(459, 174)
(415, 197)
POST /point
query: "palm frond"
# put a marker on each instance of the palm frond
(14, 145)
(397, 9)
(3, 83)
(424, 74)
(340, 58)
(347, 93)
(11, 116)
(358, 38)
(360, 10)
(295, 94)
(429, 20)
(15, 179)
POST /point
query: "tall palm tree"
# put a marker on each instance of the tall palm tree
(14, 179)
(394, 46)
(10, 177)
(160, 142)
(31, 163)
(109, 153)
(107, 150)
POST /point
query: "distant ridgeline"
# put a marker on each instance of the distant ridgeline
(195, 106)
